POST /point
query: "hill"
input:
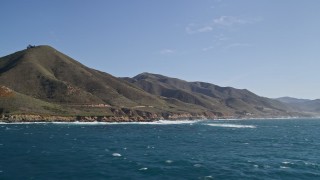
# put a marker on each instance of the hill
(43, 73)
(40, 80)
(226, 101)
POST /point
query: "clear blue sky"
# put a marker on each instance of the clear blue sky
(271, 47)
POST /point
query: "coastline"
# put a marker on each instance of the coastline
(58, 118)
(24, 118)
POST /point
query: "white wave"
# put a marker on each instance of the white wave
(310, 163)
(208, 177)
(232, 125)
(160, 122)
(197, 165)
(265, 118)
(116, 155)
(284, 167)
(169, 161)
(143, 169)
(55, 122)
(81, 123)
(14, 123)
(228, 119)
(287, 162)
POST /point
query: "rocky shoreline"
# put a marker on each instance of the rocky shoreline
(122, 115)
(21, 118)
(144, 118)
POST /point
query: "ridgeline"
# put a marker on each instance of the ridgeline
(42, 84)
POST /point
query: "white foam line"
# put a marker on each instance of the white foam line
(159, 122)
(81, 123)
(5, 123)
(116, 155)
(266, 118)
(229, 119)
(75, 123)
(232, 125)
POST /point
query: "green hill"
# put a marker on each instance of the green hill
(42, 80)
(11, 101)
(44, 74)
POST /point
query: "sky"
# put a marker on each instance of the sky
(269, 47)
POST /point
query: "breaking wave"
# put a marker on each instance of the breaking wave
(232, 125)
(160, 122)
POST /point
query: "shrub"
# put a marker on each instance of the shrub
(30, 46)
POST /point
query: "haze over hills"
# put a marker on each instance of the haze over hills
(43, 81)
(291, 100)
(305, 105)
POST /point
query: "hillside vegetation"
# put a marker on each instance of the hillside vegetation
(42, 80)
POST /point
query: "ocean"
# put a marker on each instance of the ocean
(211, 149)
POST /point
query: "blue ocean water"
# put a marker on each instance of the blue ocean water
(220, 149)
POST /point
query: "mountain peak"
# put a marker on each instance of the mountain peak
(41, 49)
(46, 48)
(47, 74)
(45, 56)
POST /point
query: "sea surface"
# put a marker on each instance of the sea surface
(212, 149)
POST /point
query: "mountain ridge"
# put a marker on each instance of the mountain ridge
(231, 100)
(58, 85)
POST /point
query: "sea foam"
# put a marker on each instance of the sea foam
(160, 122)
(232, 125)
(116, 155)
(143, 169)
